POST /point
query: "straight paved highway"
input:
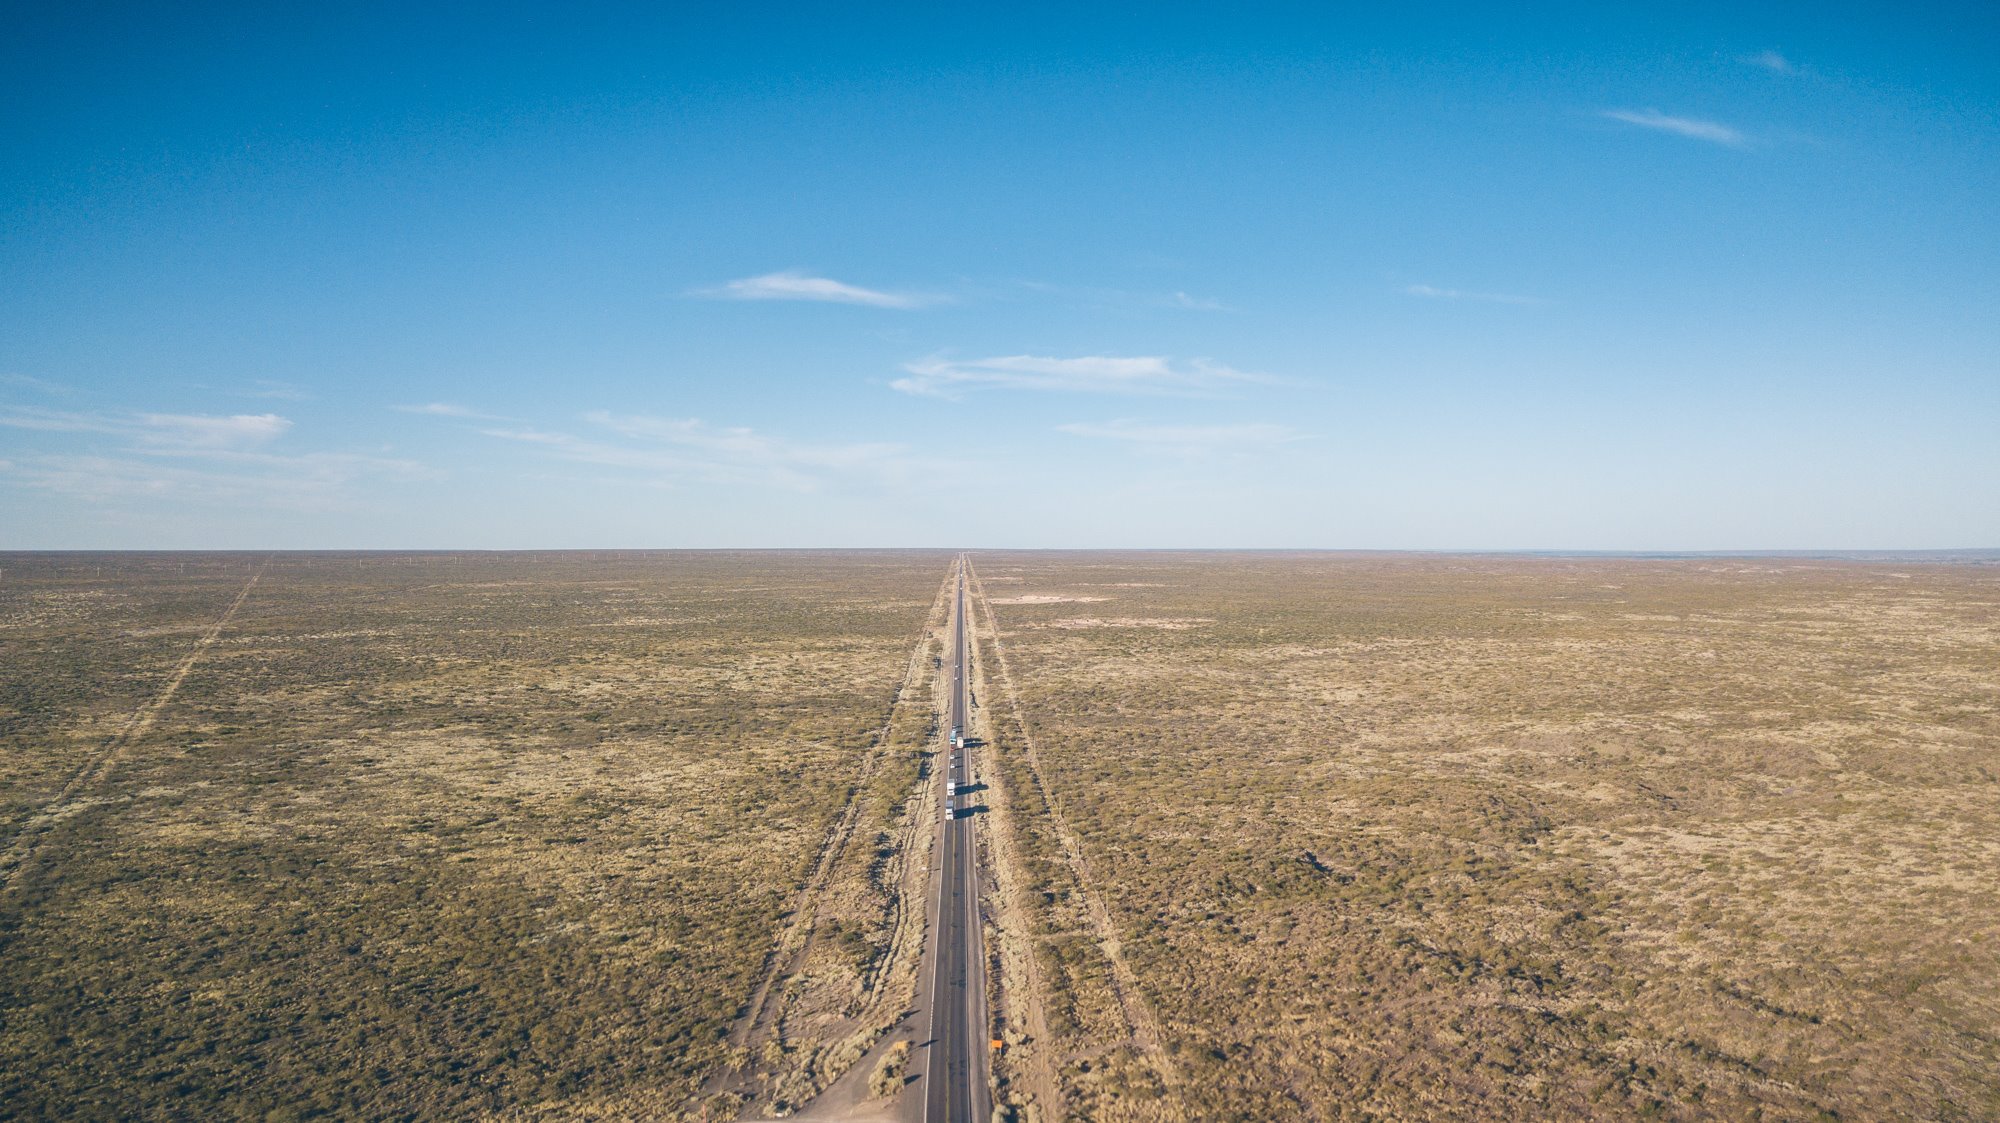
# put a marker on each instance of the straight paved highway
(955, 1078)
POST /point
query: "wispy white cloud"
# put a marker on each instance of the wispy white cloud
(41, 386)
(277, 391)
(1772, 61)
(1184, 437)
(1694, 128)
(741, 444)
(156, 431)
(795, 285)
(191, 457)
(1104, 374)
(447, 409)
(1431, 292)
(1120, 299)
(307, 482)
(201, 431)
(1198, 303)
(680, 450)
(56, 421)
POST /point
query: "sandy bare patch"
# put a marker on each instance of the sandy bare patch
(1048, 598)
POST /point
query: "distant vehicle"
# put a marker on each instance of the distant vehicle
(950, 789)
(949, 814)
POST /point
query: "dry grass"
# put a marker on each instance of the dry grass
(1300, 836)
(421, 837)
(1414, 838)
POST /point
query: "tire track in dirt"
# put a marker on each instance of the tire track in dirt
(95, 770)
(795, 937)
(1142, 1024)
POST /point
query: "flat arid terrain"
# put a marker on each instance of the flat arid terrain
(1354, 837)
(1263, 836)
(450, 836)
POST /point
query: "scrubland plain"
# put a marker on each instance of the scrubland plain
(446, 836)
(1375, 837)
(1272, 836)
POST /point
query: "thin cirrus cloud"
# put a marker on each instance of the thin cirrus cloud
(199, 431)
(1773, 62)
(792, 284)
(1183, 437)
(309, 482)
(158, 431)
(41, 386)
(61, 421)
(1104, 374)
(1693, 128)
(1124, 299)
(201, 458)
(1198, 303)
(448, 409)
(1432, 292)
(674, 451)
(276, 390)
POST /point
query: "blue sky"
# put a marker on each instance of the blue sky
(1256, 276)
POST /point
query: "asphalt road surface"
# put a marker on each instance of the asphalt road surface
(955, 1078)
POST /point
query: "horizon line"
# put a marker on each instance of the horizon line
(1452, 551)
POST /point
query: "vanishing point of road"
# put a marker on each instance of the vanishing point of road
(955, 1077)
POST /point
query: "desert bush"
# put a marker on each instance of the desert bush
(888, 1074)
